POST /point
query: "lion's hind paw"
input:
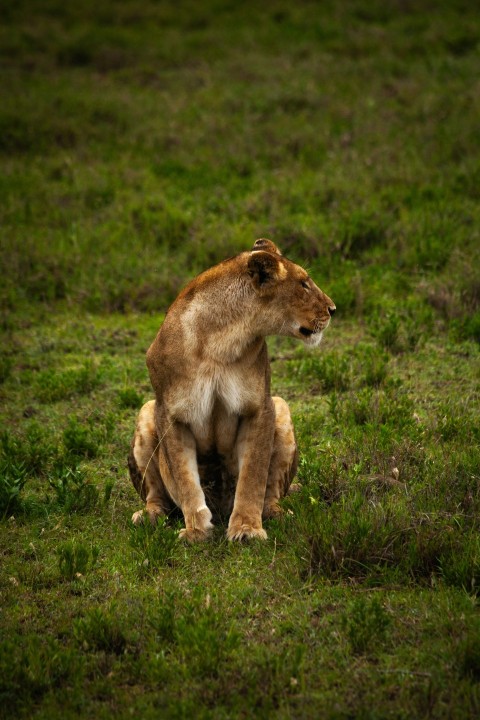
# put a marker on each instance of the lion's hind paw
(139, 517)
(272, 510)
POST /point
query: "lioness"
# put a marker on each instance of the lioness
(214, 438)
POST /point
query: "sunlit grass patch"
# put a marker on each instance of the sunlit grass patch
(51, 385)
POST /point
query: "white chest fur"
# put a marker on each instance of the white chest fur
(194, 402)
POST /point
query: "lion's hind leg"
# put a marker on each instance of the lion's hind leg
(144, 471)
(284, 460)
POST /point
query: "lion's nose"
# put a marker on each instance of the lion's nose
(331, 310)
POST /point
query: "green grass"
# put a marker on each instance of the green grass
(141, 142)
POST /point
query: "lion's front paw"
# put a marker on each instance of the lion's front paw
(193, 535)
(198, 526)
(240, 528)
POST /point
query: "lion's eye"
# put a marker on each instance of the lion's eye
(305, 285)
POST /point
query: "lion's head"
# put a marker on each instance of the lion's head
(291, 300)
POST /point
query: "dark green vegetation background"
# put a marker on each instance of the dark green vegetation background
(141, 142)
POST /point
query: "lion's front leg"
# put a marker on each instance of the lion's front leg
(179, 470)
(254, 451)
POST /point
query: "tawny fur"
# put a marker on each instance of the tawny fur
(214, 439)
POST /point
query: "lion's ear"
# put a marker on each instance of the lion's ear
(266, 245)
(264, 269)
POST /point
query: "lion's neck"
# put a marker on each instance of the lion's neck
(221, 325)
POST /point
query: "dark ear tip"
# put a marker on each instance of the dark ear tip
(266, 245)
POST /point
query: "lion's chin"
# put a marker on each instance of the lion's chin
(314, 339)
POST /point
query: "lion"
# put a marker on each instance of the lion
(214, 442)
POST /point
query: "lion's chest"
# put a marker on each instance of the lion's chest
(212, 394)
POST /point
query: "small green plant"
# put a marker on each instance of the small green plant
(449, 426)
(154, 546)
(161, 618)
(202, 635)
(279, 672)
(343, 288)
(323, 476)
(13, 476)
(32, 447)
(361, 230)
(334, 405)
(72, 490)
(31, 666)
(107, 491)
(373, 365)
(100, 629)
(13, 473)
(6, 364)
(333, 371)
(79, 440)
(467, 328)
(461, 567)
(76, 558)
(468, 653)
(366, 624)
(129, 398)
(386, 329)
(38, 448)
(196, 629)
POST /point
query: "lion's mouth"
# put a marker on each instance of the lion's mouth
(305, 332)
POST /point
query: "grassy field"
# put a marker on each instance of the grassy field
(140, 142)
